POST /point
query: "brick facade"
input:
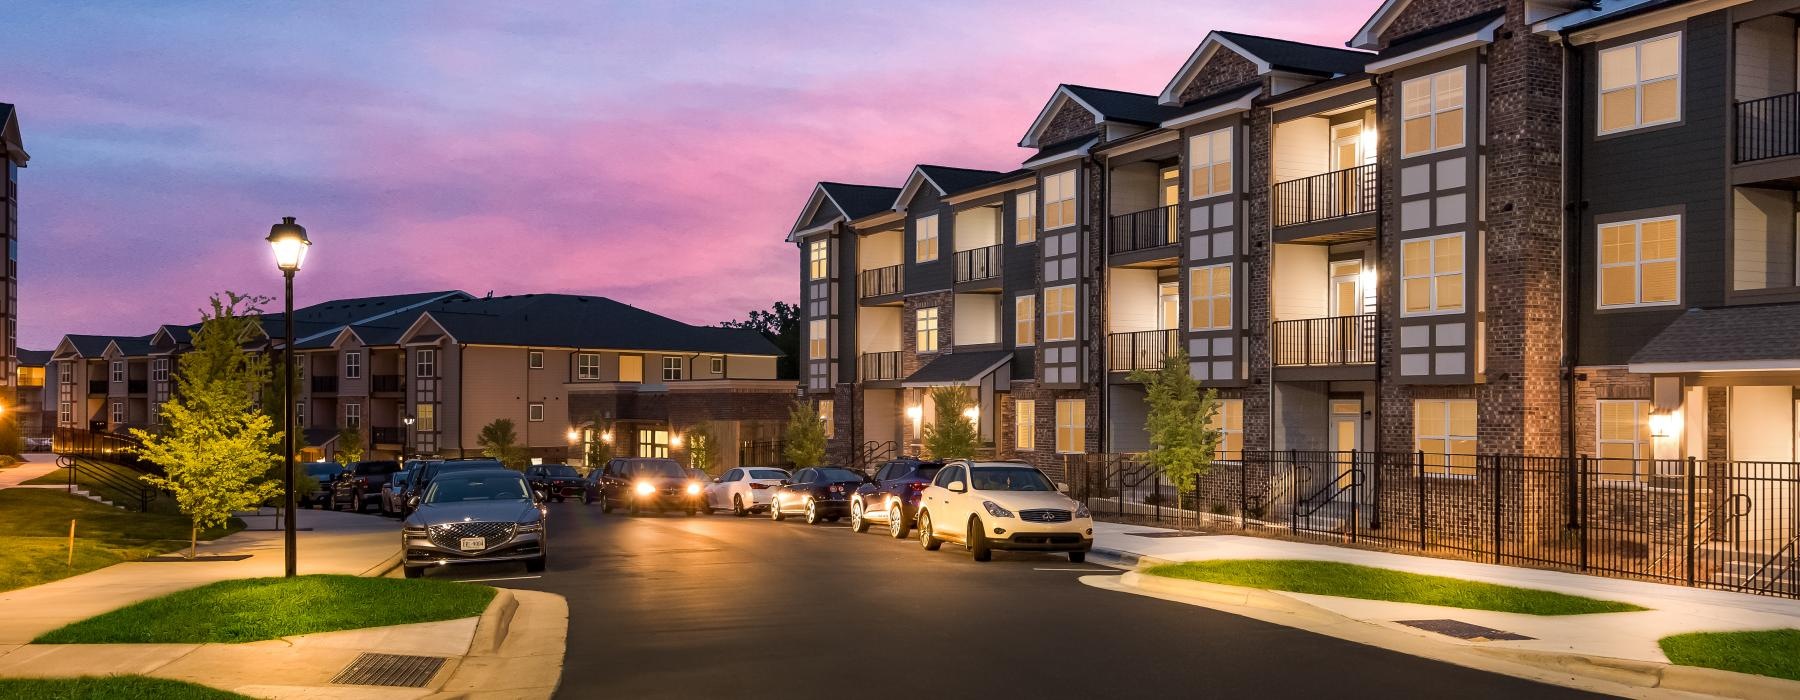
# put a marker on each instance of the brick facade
(1223, 71)
(1071, 121)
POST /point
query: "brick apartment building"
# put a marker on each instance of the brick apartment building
(13, 157)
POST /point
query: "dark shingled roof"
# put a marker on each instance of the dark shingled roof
(959, 179)
(1729, 334)
(1061, 148)
(1295, 57)
(1121, 106)
(94, 345)
(1418, 40)
(33, 358)
(958, 367)
(859, 201)
(134, 346)
(566, 320)
(1219, 98)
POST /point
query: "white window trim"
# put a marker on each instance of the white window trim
(1025, 425)
(534, 412)
(1433, 275)
(1444, 471)
(919, 239)
(353, 415)
(1641, 451)
(717, 365)
(674, 368)
(1044, 315)
(1636, 48)
(1074, 196)
(1080, 428)
(1230, 296)
(585, 370)
(1638, 249)
(1431, 114)
(353, 361)
(818, 258)
(919, 331)
(1195, 164)
(426, 359)
(1026, 317)
(534, 359)
(1019, 217)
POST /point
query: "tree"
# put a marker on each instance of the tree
(804, 444)
(781, 325)
(349, 445)
(951, 435)
(498, 440)
(1183, 440)
(599, 448)
(217, 445)
(703, 448)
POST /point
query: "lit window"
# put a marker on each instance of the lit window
(925, 330)
(534, 359)
(1209, 298)
(31, 376)
(1071, 426)
(672, 368)
(1059, 200)
(353, 415)
(1025, 217)
(1059, 313)
(828, 413)
(1209, 164)
(353, 365)
(1640, 263)
(1640, 84)
(653, 443)
(1624, 438)
(1229, 421)
(426, 363)
(534, 412)
(631, 368)
(1024, 320)
(818, 339)
(427, 418)
(587, 366)
(818, 258)
(1432, 112)
(925, 238)
(1025, 425)
(1431, 275)
(1444, 429)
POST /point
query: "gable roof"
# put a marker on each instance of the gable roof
(328, 317)
(1114, 106)
(85, 345)
(571, 321)
(945, 180)
(12, 145)
(131, 346)
(33, 358)
(1270, 56)
(851, 202)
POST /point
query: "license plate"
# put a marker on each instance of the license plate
(470, 544)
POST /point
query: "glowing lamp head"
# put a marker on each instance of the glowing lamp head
(408, 420)
(288, 239)
(574, 436)
(606, 437)
(914, 413)
(1664, 425)
(675, 441)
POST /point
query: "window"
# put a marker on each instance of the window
(925, 236)
(1624, 438)
(1640, 263)
(426, 419)
(587, 366)
(426, 363)
(353, 415)
(300, 413)
(1432, 112)
(1431, 275)
(534, 412)
(1229, 421)
(1025, 217)
(672, 368)
(159, 369)
(1059, 313)
(1059, 200)
(1025, 425)
(1640, 84)
(1209, 164)
(631, 368)
(828, 414)
(31, 376)
(718, 365)
(925, 330)
(818, 259)
(653, 443)
(534, 359)
(1071, 426)
(1444, 429)
(818, 339)
(1024, 320)
(1209, 298)
(118, 412)
(65, 412)
(118, 371)
(353, 365)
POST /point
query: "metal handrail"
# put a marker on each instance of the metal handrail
(1140, 230)
(1141, 349)
(879, 366)
(1332, 195)
(1332, 340)
(978, 263)
(1768, 127)
(880, 281)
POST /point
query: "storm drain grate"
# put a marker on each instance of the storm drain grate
(393, 670)
(1160, 535)
(1464, 630)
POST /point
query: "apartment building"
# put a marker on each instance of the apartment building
(13, 155)
(34, 406)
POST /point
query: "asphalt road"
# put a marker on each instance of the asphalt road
(715, 607)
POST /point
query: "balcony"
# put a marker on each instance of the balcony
(1332, 341)
(880, 281)
(1768, 128)
(1333, 195)
(137, 386)
(880, 366)
(387, 383)
(1143, 230)
(1126, 352)
(96, 386)
(324, 385)
(978, 264)
(388, 436)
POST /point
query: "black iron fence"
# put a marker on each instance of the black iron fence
(1139, 230)
(1141, 349)
(978, 264)
(386, 383)
(384, 435)
(877, 366)
(1768, 127)
(1705, 523)
(324, 384)
(880, 281)
(97, 386)
(1331, 195)
(1334, 340)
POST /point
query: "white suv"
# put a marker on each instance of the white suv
(1002, 505)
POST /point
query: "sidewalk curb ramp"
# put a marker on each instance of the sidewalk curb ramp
(495, 622)
(518, 650)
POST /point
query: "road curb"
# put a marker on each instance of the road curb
(495, 622)
(1127, 559)
(1649, 674)
(387, 565)
(521, 664)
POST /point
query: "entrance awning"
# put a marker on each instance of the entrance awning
(1731, 339)
(961, 369)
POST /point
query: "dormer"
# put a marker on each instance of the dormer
(832, 202)
(1078, 114)
(939, 181)
(1227, 61)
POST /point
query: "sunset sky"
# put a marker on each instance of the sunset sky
(652, 152)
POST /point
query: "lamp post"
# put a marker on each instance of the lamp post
(406, 440)
(288, 240)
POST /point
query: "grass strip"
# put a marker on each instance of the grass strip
(35, 523)
(1774, 653)
(1369, 583)
(108, 688)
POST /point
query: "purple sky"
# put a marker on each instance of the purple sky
(653, 152)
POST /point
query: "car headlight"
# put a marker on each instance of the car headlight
(644, 488)
(410, 531)
(995, 510)
(534, 526)
(1081, 511)
(693, 488)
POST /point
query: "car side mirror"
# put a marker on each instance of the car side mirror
(785, 482)
(958, 487)
(1062, 487)
(718, 480)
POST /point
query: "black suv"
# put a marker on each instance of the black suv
(637, 483)
(556, 481)
(360, 484)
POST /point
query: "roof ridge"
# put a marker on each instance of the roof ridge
(1115, 91)
(1296, 42)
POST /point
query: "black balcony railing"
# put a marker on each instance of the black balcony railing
(1768, 128)
(978, 264)
(1321, 342)
(878, 366)
(880, 281)
(1331, 195)
(1140, 230)
(388, 436)
(1141, 350)
(324, 385)
(386, 383)
(137, 386)
(96, 386)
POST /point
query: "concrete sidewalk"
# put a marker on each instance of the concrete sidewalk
(330, 543)
(36, 464)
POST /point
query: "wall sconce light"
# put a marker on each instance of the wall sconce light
(1663, 425)
(973, 414)
(606, 437)
(915, 413)
(675, 440)
(574, 436)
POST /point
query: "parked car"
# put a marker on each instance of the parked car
(820, 493)
(361, 483)
(480, 515)
(745, 490)
(423, 475)
(37, 444)
(1002, 505)
(392, 490)
(556, 481)
(637, 483)
(324, 473)
(892, 496)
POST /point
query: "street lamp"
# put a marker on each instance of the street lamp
(406, 440)
(288, 240)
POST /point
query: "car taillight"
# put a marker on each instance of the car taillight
(917, 485)
(755, 485)
(836, 488)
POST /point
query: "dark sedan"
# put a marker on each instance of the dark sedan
(556, 481)
(892, 496)
(360, 484)
(475, 516)
(639, 483)
(820, 493)
(424, 473)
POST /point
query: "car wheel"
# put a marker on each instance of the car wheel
(926, 538)
(775, 513)
(1077, 557)
(857, 522)
(897, 525)
(587, 499)
(978, 541)
(413, 571)
(536, 566)
(606, 506)
(737, 506)
(812, 512)
(356, 503)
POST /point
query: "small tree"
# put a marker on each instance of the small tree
(703, 448)
(951, 435)
(804, 444)
(1183, 440)
(599, 448)
(349, 445)
(498, 440)
(216, 444)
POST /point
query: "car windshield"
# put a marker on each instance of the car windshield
(448, 467)
(1009, 479)
(658, 468)
(502, 487)
(376, 467)
(560, 470)
(836, 474)
(768, 474)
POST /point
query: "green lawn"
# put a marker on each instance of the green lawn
(35, 523)
(1765, 652)
(105, 479)
(107, 688)
(1351, 581)
(249, 610)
